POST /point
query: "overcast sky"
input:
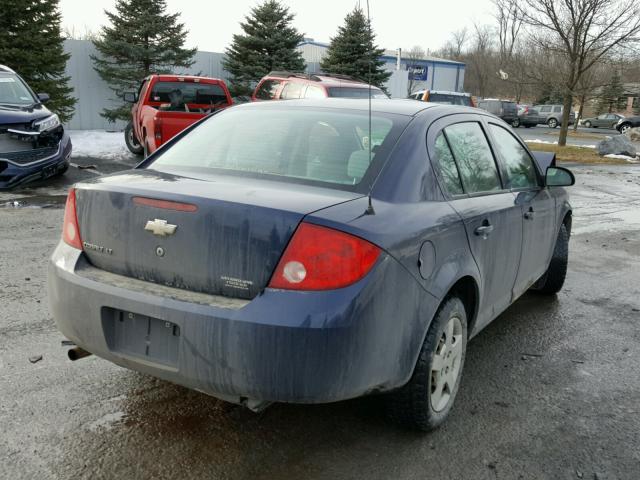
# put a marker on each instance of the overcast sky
(397, 23)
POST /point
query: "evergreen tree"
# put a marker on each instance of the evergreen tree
(612, 97)
(142, 39)
(353, 51)
(31, 43)
(269, 42)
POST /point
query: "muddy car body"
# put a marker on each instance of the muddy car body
(33, 144)
(316, 274)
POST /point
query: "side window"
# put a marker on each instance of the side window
(521, 172)
(557, 109)
(447, 165)
(314, 92)
(545, 109)
(291, 90)
(474, 158)
(267, 90)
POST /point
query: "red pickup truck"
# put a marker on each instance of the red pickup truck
(164, 105)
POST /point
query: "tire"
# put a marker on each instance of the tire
(552, 122)
(418, 405)
(515, 123)
(587, 124)
(132, 142)
(553, 279)
(625, 127)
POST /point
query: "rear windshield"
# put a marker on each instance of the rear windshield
(302, 145)
(188, 92)
(351, 92)
(13, 91)
(450, 99)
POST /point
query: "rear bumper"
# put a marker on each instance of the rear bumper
(13, 174)
(284, 346)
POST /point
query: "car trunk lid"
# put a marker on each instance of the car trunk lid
(220, 235)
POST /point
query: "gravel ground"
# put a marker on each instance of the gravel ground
(551, 389)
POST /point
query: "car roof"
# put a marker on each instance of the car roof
(403, 106)
(178, 78)
(5, 69)
(443, 92)
(327, 79)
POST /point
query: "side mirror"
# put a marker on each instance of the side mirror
(559, 177)
(130, 97)
(44, 97)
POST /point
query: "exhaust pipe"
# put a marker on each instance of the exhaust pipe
(76, 353)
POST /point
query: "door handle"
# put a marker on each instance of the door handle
(529, 214)
(484, 230)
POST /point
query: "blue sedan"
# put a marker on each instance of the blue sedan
(312, 251)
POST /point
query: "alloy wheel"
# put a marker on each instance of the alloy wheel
(625, 128)
(445, 367)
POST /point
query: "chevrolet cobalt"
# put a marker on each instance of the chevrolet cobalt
(312, 251)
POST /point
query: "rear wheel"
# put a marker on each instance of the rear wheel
(587, 124)
(132, 142)
(552, 122)
(425, 401)
(553, 279)
(515, 123)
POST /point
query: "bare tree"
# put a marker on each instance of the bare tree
(583, 32)
(416, 53)
(509, 25)
(480, 60)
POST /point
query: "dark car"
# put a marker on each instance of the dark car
(606, 120)
(294, 85)
(627, 123)
(505, 109)
(33, 144)
(527, 117)
(309, 252)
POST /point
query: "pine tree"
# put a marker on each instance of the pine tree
(269, 42)
(31, 43)
(142, 39)
(612, 97)
(353, 51)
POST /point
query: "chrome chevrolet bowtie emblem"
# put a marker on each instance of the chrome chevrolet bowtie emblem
(160, 227)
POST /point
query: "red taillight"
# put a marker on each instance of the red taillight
(320, 258)
(70, 229)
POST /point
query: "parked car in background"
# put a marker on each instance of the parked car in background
(505, 109)
(606, 120)
(443, 97)
(164, 105)
(291, 86)
(552, 115)
(272, 254)
(627, 123)
(33, 143)
(527, 117)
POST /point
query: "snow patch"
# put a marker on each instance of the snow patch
(99, 144)
(624, 157)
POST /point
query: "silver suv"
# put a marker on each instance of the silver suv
(552, 115)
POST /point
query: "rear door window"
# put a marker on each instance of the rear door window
(314, 92)
(546, 109)
(448, 168)
(519, 166)
(268, 90)
(474, 158)
(292, 90)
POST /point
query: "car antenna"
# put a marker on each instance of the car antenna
(369, 210)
